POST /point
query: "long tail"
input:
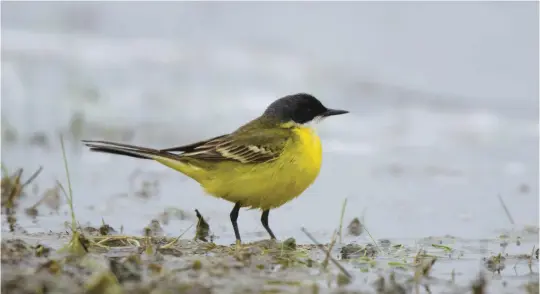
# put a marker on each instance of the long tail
(174, 161)
(130, 150)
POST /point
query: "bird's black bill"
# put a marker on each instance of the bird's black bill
(330, 112)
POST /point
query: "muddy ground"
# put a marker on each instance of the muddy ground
(98, 260)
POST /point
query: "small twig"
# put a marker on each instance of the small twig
(341, 268)
(506, 209)
(530, 259)
(341, 219)
(33, 177)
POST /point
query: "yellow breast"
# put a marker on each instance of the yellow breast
(308, 153)
(273, 184)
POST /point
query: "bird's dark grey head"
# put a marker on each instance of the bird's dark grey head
(300, 108)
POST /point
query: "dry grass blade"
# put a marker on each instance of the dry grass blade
(327, 258)
(336, 263)
(371, 237)
(70, 195)
(78, 243)
(176, 240)
(73, 220)
(341, 219)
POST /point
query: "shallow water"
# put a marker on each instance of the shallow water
(443, 116)
(453, 272)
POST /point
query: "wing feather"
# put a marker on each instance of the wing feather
(247, 147)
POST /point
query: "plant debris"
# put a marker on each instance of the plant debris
(203, 229)
(351, 251)
(12, 189)
(495, 263)
(355, 228)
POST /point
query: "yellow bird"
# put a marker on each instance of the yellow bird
(263, 164)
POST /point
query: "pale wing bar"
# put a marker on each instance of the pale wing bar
(223, 149)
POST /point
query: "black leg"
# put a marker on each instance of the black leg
(264, 221)
(234, 217)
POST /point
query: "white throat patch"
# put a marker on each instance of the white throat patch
(315, 121)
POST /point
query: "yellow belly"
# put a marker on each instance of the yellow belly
(272, 184)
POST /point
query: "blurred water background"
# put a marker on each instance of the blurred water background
(443, 101)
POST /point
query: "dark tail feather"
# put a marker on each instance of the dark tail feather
(191, 147)
(112, 150)
(127, 150)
